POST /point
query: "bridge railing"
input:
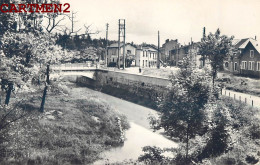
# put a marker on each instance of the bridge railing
(77, 66)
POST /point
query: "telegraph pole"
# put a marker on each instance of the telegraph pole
(118, 57)
(121, 33)
(158, 55)
(106, 45)
(124, 56)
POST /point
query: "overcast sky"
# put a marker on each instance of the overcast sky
(175, 19)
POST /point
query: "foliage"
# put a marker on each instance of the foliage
(218, 133)
(216, 47)
(26, 54)
(152, 155)
(240, 84)
(9, 115)
(182, 110)
(71, 131)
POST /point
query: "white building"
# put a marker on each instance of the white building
(146, 56)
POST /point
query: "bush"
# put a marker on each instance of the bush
(152, 155)
(254, 131)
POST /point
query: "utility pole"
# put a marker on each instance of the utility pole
(121, 33)
(124, 55)
(118, 57)
(107, 25)
(158, 55)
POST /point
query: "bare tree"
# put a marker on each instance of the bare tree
(72, 30)
(53, 21)
(88, 30)
(73, 21)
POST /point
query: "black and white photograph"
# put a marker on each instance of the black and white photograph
(130, 82)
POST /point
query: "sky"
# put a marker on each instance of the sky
(175, 19)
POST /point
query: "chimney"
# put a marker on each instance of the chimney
(204, 32)
(167, 41)
(255, 37)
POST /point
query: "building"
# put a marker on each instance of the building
(177, 55)
(245, 59)
(146, 56)
(166, 49)
(112, 54)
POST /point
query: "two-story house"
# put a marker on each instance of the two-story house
(166, 49)
(112, 53)
(146, 56)
(245, 59)
(178, 54)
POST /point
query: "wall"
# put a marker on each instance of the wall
(145, 56)
(140, 89)
(113, 52)
(246, 57)
(167, 47)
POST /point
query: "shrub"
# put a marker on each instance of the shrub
(152, 155)
(254, 131)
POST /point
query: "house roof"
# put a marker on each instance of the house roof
(149, 48)
(242, 43)
(115, 45)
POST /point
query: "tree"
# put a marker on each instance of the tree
(23, 56)
(219, 131)
(53, 21)
(182, 109)
(216, 47)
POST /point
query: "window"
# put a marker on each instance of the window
(252, 53)
(258, 66)
(244, 64)
(114, 51)
(235, 66)
(226, 64)
(251, 65)
(143, 62)
(143, 53)
(128, 51)
(146, 53)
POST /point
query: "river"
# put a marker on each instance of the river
(138, 136)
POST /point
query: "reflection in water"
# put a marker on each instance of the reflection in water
(136, 138)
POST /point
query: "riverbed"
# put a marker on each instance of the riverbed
(139, 135)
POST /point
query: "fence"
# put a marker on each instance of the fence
(254, 101)
(73, 65)
(77, 66)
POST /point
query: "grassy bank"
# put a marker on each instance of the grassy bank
(75, 127)
(240, 84)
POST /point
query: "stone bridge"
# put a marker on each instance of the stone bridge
(73, 70)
